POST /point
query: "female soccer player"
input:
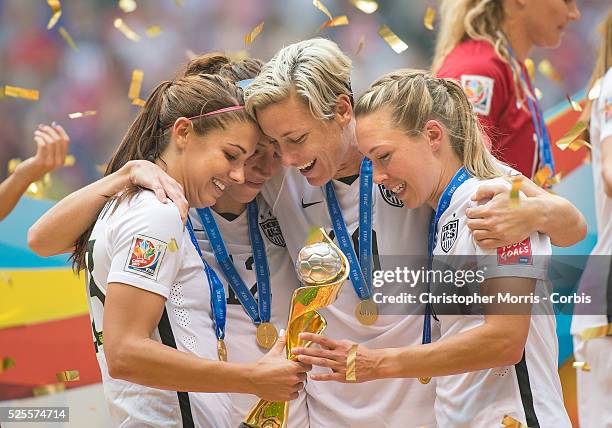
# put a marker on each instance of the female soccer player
(484, 44)
(424, 140)
(302, 100)
(595, 386)
(196, 128)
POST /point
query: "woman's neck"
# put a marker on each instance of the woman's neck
(519, 40)
(449, 169)
(225, 204)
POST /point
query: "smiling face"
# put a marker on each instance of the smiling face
(315, 147)
(405, 165)
(212, 162)
(259, 168)
(546, 20)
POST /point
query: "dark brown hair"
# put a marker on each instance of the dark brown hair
(191, 94)
(220, 64)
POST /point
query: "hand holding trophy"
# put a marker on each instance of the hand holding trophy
(322, 268)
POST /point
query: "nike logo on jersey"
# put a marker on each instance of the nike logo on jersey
(310, 204)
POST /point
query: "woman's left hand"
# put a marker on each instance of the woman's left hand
(333, 354)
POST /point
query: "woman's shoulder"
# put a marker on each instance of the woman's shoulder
(144, 204)
(472, 57)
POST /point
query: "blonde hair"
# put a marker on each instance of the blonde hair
(316, 69)
(603, 62)
(477, 20)
(415, 96)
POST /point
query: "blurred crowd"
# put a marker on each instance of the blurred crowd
(97, 75)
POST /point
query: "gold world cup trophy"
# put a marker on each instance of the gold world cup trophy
(322, 268)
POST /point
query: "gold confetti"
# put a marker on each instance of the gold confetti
(5, 278)
(322, 8)
(82, 114)
(392, 40)
(68, 38)
(554, 180)
(127, 5)
(69, 161)
(542, 175)
(582, 365)
(515, 191)
(571, 140)
(510, 422)
(366, 6)
(153, 31)
(538, 93)
(351, 359)
(248, 39)
(430, 15)
(56, 8)
(360, 45)
(12, 165)
(102, 168)
(530, 66)
(172, 246)
(135, 84)
(68, 376)
(35, 190)
(575, 106)
(7, 363)
(595, 90)
(546, 68)
(595, 332)
(336, 22)
(179, 3)
(46, 181)
(48, 389)
(138, 102)
(16, 92)
(127, 31)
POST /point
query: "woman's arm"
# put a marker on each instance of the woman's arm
(52, 148)
(500, 341)
(495, 224)
(60, 227)
(132, 355)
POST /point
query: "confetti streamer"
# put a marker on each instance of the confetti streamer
(68, 376)
(575, 106)
(517, 182)
(153, 31)
(571, 140)
(64, 33)
(138, 102)
(595, 90)
(360, 45)
(6, 363)
(56, 8)
(322, 8)
(336, 22)
(135, 84)
(510, 422)
(78, 115)
(542, 176)
(69, 161)
(366, 6)
(538, 93)
(127, 31)
(546, 68)
(248, 39)
(392, 39)
(172, 246)
(127, 6)
(554, 180)
(582, 365)
(48, 389)
(430, 15)
(530, 66)
(12, 165)
(595, 332)
(16, 92)
(102, 168)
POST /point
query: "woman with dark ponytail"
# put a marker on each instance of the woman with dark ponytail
(158, 307)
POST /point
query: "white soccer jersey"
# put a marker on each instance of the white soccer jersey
(529, 391)
(239, 328)
(595, 277)
(397, 231)
(134, 245)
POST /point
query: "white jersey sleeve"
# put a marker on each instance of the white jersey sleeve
(145, 243)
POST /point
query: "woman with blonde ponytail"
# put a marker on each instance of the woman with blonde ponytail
(494, 363)
(595, 386)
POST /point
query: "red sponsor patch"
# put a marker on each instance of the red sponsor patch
(515, 254)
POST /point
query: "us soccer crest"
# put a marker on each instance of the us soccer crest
(479, 90)
(145, 256)
(390, 197)
(272, 230)
(449, 235)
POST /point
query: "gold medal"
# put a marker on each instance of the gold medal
(366, 312)
(424, 380)
(266, 335)
(221, 350)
